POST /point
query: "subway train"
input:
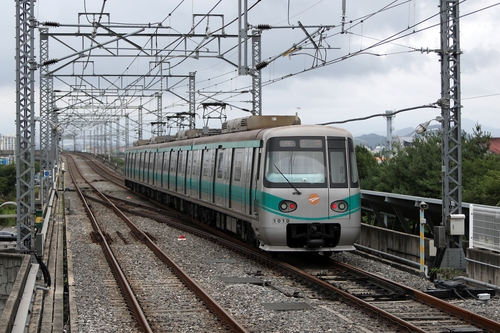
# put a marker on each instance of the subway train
(268, 180)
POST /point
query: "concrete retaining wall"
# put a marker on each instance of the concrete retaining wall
(396, 243)
(14, 269)
(483, 265)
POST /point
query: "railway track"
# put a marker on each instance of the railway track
(150, 315)
(407, 309)
(411, 309)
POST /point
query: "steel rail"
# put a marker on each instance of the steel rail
(104, 171)
(236, 245)
(417, 295)
(231, 243)
(224, 316)
(115, 267)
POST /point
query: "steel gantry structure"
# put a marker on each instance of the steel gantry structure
(89, 85)
(85, 70)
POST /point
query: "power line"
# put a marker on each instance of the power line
(432, 105)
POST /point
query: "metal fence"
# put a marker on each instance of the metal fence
(484, 223)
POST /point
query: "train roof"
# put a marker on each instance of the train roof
(250, 138)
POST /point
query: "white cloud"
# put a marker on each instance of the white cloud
(7, 110)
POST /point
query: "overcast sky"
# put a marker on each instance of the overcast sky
(391, 76)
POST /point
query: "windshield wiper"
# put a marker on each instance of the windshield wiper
(296, 191)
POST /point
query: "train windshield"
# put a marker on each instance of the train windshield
(298, 161)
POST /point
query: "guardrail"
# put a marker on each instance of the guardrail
(484, 224)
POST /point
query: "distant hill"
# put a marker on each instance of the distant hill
(373, 140)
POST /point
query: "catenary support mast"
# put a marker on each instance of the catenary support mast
(452, 254)
(25, 126)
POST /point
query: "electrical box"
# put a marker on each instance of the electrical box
(457, 224)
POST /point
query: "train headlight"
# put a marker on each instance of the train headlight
(287, 206)
(339, 206)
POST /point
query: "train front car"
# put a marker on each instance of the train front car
(309, 198)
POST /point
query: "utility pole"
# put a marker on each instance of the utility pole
(448, 240)
(389, 117)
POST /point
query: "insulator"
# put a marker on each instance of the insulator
(52, 24)
(261, 65)
(50, 62)
(264, 26)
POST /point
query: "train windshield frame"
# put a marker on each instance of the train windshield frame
(299, 161)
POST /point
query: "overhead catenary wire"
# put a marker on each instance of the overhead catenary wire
(200, 21)
(318, 64)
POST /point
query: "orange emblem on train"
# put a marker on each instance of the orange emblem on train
(313, 199)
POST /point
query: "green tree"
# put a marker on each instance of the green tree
(8, 181)
(366, 162)
(416, 169)
(476, 145)
(412, 170)
(481, 180)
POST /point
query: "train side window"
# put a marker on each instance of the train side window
(159, 162)
(182, 163)
(220, 165)
(165, 161)
(196, 169)
(152, 166)
(337, 167)
(238, 163)
(206, 163)
(140, 163)
(338, 162)
(189, 162)
(173, 163)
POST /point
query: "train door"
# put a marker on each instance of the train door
(195, 174)
(147, 168)
(152, 168)
(172, 179)
(158, 164)
(181, 172)
(222, 190)
(142, 163)
(237, 180)
(255, 181)
(137, 166)
(207, 176)
(354, 190)
(247, 175)
(189, 171)
(227, 177)
(338, 174)
(219, 188)
(165, 169)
